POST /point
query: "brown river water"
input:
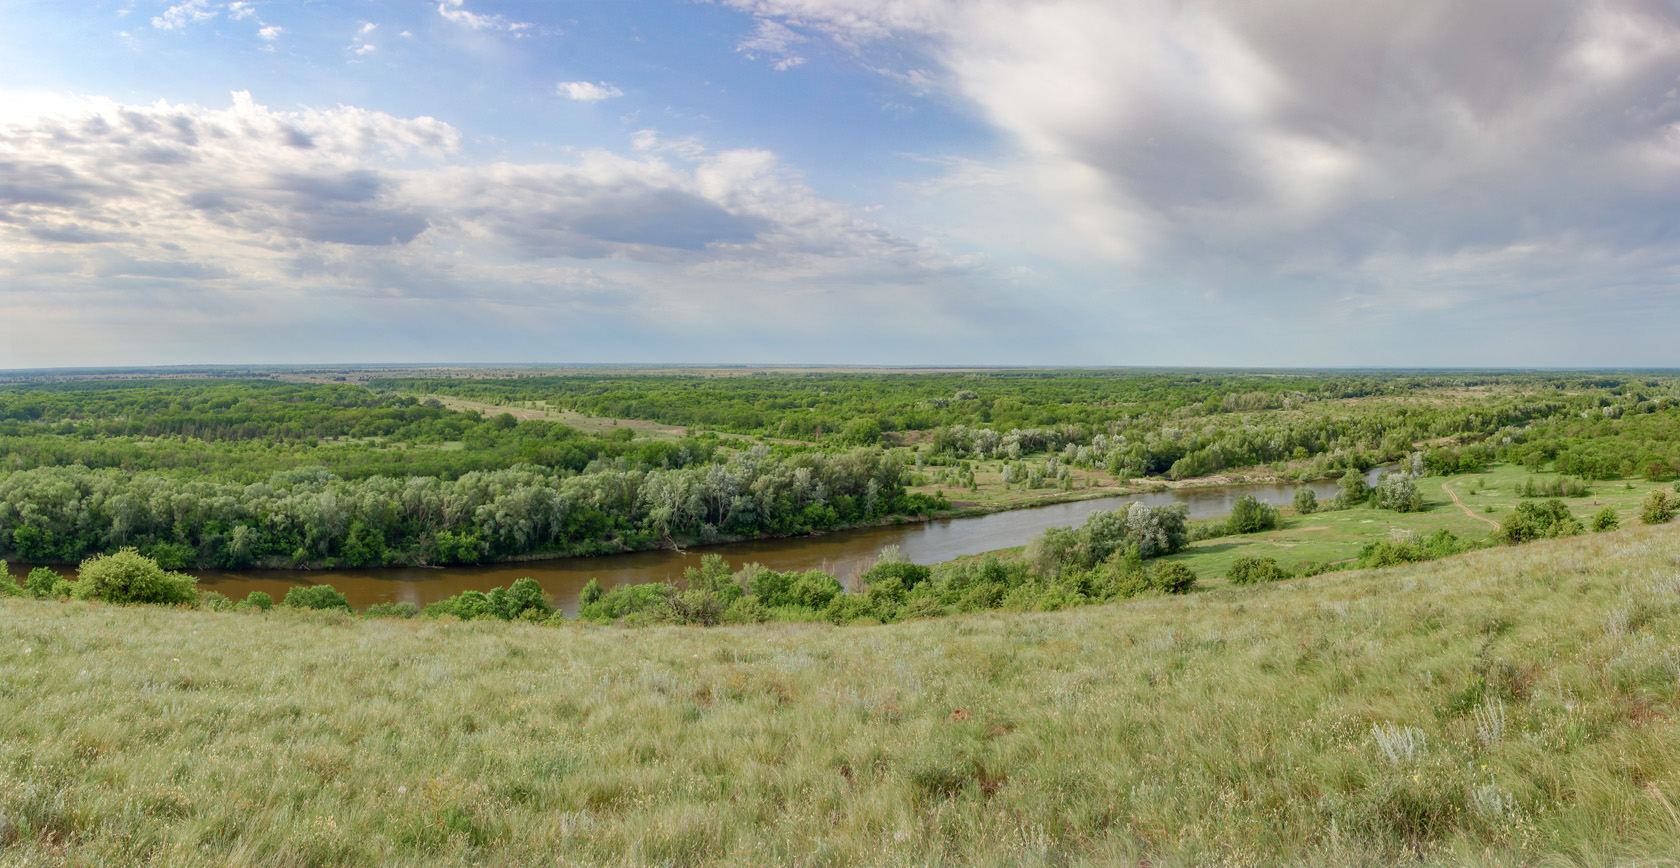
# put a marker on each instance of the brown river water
(845, 554)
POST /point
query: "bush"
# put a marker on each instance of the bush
(315, 597)
(814, 589)
(846, 608)
(908, 573)
(1174, 578)
(1249, 570)
(215, 601)
(591, 592)
(1250, 515)
(626, 600)
(130, 577)
(1539, 521)
(8, 588)
(1606, 519)
(1657, 509)
(259, 600)
(747, 610)
(40, 581)
(1306, 501)
(811, 590)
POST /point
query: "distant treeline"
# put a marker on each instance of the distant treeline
(312, 517)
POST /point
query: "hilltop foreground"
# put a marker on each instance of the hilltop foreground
(1512, 706)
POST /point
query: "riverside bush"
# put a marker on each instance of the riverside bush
(130, 577)
(315, 597)
(40, 582)
(1250, 515)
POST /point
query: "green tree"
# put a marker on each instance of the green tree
(1306, 501)
(1397, 491)
(1605, 519)
(1353, 490)
(1657, 508)
(1250, 515)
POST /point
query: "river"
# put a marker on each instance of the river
(842, 553)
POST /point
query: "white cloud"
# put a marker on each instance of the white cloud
(190, 12)
(270, 32)
(456, 12)
(291, 219)
(773, 40)
(366, 49)
(584, 91)
(240, 11)
(367, 27)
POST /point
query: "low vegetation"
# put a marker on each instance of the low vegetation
(1510, 706)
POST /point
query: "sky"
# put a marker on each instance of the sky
(1408, 183)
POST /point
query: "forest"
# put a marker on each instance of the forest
(263, 472)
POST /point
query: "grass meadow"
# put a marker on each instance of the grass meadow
(1513, 706)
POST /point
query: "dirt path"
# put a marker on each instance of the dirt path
(1447, 487)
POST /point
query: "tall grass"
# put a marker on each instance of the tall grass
(1505, 707)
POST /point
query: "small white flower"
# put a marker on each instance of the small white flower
(402, 791)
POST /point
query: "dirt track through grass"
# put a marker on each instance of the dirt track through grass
(1447, 487)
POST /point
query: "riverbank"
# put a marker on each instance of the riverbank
(1278, 724)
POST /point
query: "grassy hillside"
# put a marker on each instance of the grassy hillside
(1508, 707)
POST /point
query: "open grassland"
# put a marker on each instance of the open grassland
(1507, 707)
(1332, 536)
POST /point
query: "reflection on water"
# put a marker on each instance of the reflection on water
(844, 553)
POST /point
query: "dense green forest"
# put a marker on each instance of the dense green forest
(256, 472)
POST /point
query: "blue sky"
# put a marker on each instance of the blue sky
(873, 181)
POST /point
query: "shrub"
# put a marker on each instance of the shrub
(1606, 519)
(747, 610)
(1174, 578)
(8, 588)
(846, 608)
(1539, 521)
(215, 601)
(1249, 570)
(315, 597)
(908, 573)
(1250, 515)
(591, 592)
(40, 581)
(627, 600)
(130, 577)
(1306, 501)
(259, 600)
(1657, 509)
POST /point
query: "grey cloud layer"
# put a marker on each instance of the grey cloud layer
(1441, 147)
(273, 224)
(265, 180)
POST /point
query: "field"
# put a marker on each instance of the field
(1337, 535)
(1506, 707)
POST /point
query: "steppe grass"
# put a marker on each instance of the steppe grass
(1513, 706)
(1332, 536)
